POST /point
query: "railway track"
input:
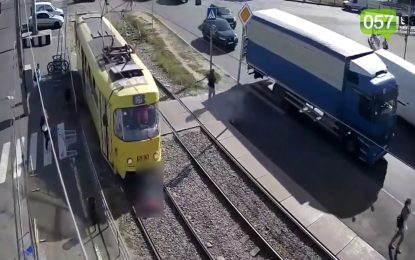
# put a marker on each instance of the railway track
(204, 202)
(243, 185)
(193, 247)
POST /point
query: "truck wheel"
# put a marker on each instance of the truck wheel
(279, 95)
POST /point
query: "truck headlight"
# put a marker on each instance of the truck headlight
(222, 38)
(129, 161)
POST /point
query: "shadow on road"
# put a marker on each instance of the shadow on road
(170, 2)
(300, 150)
(351, 11)
(202, 45)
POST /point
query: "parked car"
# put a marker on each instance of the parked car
(48, 7)
(223, 34)
(227, 14)
(47, 20)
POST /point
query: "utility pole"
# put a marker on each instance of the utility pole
(211, 45)
(34, 18)
(408, 31)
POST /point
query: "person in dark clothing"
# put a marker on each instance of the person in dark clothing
(92, 211)
(44, 129)
(67, 96)
(401, 226)
(211, 83)
(37, 76)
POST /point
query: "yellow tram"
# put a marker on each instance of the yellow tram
(121, 95)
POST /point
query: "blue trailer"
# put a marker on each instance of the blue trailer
(338, 82)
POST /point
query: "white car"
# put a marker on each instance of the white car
(48, 7)
(47, 20)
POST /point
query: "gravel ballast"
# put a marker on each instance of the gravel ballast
(133, 238)
(170, 237)
(283, 235)
(217, 227)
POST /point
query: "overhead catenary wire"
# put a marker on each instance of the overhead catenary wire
(54, 151)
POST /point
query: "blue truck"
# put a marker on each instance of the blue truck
(334, 80)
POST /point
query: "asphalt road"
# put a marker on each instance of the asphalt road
(185, 19)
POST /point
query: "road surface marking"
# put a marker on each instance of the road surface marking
(4, 161)
(33, 151)
(47, 154)
(18, 162)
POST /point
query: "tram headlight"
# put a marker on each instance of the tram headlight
(129, 161)
(156, 156)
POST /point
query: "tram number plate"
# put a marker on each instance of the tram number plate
(143, 157)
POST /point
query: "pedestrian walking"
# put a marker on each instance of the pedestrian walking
(67, 96)
(44, 128)
(37, 76)
(401, 223)
(92, 211)
(211, 83)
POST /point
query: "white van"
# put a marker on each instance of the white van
(363, 4)
(404, 73)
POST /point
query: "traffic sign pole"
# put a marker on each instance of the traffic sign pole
(241, 54)
(244, 15)
(211, 47)
(211, 16)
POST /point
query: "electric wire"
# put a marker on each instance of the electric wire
(53, 149)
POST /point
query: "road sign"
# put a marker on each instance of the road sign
(245, 14)
(211, 13)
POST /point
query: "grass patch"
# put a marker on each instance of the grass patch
(137, 30)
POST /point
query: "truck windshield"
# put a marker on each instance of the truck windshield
(385, 104)
(136, 123)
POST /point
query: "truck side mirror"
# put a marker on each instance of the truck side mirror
(105, 120)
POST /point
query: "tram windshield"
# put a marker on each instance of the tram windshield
(136, 123)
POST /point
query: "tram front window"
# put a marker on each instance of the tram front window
(136, 123)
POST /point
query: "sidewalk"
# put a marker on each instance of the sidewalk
(13, 210)
(57, 232)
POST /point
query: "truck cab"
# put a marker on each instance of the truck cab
(370, 102)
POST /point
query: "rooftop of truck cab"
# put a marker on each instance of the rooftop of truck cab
(314, 34)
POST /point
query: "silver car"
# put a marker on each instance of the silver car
(47, 20)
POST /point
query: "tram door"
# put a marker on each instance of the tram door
(104, 125)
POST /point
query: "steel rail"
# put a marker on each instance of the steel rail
(222, 194)
(247, 174)
(188, 224)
